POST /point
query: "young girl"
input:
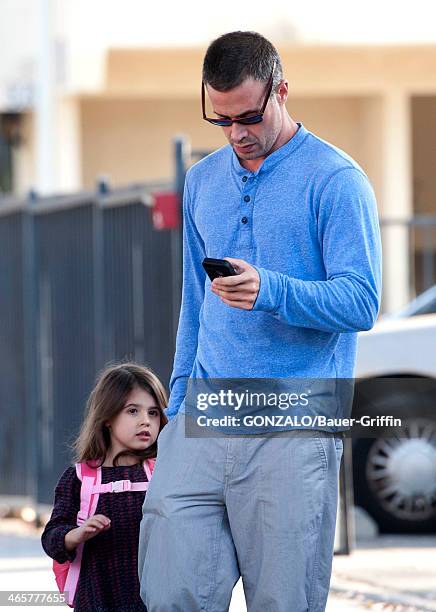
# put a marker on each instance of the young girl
(124, 417)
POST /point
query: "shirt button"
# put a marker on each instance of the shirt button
(244, 220)
(246, 198)
(244, 179)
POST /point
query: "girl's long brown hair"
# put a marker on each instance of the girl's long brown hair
(107, 399)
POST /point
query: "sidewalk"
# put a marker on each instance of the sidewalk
(388, 573)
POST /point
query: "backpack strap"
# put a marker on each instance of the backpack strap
(90, 476)
(121, 486)
(149, 467)
(91, 479)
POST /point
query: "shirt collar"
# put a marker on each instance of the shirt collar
(274, 158)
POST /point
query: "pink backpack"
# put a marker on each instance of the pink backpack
(67, 574)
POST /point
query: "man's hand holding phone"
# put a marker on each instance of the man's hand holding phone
(239, 291)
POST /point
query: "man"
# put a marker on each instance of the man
(297, 219)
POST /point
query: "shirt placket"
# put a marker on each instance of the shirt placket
(246, 212)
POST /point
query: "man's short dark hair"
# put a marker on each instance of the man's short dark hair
(236, 56)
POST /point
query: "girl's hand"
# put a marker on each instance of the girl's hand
(90, 528)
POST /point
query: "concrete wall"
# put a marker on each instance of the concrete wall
(310, 69)
(424, 154)
(24, 157)
(67, 158)
(131, 140)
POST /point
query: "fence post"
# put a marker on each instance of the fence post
(100, 342)
(182, 156)
(346, 501)
(428, 257)
(32, 365)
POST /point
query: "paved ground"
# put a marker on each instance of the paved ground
(391, 573)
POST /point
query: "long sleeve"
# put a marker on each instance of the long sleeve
(192, 299)
(348, 300)
(63, 517)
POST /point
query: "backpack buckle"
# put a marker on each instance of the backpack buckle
(119, 486)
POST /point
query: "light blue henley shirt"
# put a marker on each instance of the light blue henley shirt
(307, 220)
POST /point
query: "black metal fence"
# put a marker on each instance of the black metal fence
(84, 280)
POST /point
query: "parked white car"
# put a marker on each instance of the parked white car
(395, 477)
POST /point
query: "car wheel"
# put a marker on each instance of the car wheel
(395, 477)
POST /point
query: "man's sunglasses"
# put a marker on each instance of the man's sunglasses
(251, 119)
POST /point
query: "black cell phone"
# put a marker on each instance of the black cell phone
(218, 267)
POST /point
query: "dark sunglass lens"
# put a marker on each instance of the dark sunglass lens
(251, 120)
(221, 122)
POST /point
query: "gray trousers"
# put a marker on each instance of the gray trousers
(263, 508)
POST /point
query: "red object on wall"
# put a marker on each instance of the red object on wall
(166, 210)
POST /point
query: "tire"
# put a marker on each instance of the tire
(395, 477)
